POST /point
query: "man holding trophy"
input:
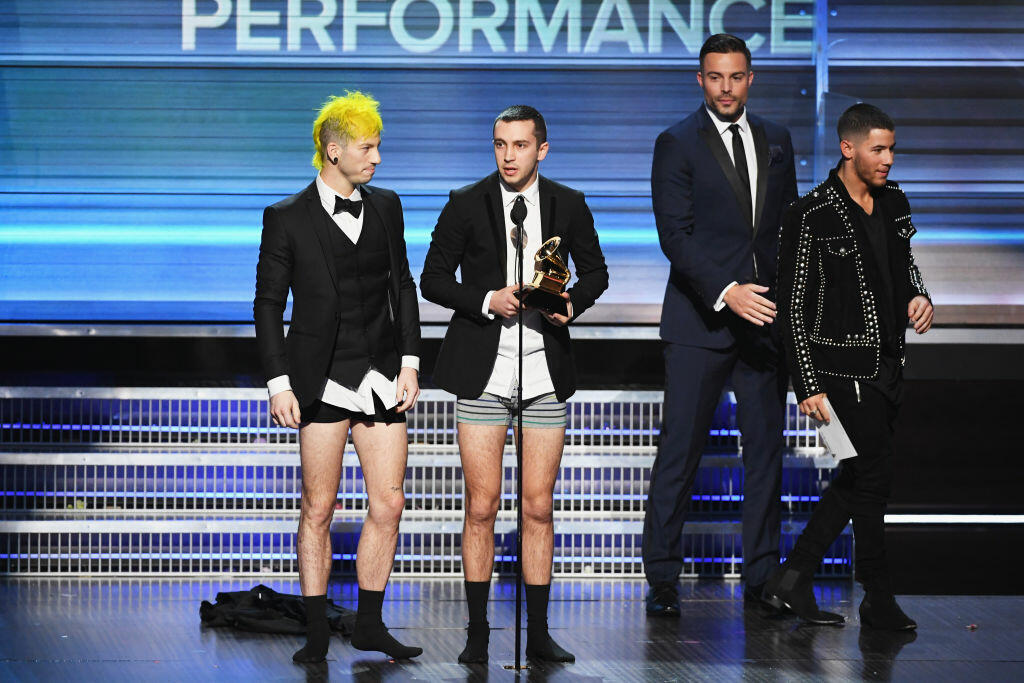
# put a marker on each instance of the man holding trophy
(479, 231)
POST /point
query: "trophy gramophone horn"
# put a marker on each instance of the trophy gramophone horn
(549, 262)
(550, 277)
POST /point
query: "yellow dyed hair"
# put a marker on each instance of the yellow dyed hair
(352, 117)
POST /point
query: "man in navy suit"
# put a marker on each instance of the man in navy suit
(720, 180)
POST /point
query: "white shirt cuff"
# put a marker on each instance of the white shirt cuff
(486, 309)
(411, 362)
(279, 384)
(720, 302)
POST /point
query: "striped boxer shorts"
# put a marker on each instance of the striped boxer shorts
(540, 411)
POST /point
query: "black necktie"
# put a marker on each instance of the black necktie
(342, 204)
(739, 157)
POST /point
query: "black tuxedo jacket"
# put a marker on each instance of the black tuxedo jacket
(470, 234)
(295, 253)
(830, 288)
(705, 227)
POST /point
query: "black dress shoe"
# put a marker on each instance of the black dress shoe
(789, 587)
(753, 596)
(663, 600)
(880, 611)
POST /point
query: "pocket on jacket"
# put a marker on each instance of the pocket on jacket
(839, 247)
(904, 228)
(840, 313)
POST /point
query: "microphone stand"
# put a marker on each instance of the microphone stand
(518, 216)
(519, 454)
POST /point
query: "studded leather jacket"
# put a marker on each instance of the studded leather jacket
(829, 286)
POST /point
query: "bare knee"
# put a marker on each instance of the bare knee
(481, 509)
(538, 509)
(317, 513)
(386, 510)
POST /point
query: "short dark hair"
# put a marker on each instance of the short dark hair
(524, 112)
(861, 119)
(724, 43)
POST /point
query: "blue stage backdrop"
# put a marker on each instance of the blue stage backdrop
(139, 141)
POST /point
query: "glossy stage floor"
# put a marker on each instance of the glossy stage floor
(149, 629)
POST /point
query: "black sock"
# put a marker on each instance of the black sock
(370, 633)
(318, 631)
(537, 607)
(477, 593)
(478, 632)
(539, 643)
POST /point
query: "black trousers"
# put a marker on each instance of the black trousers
(694, 379)
(861, 489)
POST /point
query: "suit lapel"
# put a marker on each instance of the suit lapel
(322, 226)
(547, 209)
(372, 202)
(496, 217)
(713, 140)
(761, 152)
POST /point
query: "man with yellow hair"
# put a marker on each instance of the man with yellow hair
(350, 359)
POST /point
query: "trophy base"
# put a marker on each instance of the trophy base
(544, 300)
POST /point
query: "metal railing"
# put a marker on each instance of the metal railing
(428, 545)
(164, 481)
(269, 480)
(157, 416)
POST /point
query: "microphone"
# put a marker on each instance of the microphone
(518, 213)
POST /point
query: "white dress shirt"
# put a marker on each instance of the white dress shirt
(360, 400)
(748, 147)
(536, 377)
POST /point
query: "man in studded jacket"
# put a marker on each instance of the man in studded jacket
(847, 284)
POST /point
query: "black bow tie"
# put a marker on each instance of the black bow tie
(342, 204)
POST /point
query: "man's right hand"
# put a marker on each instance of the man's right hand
(504, 301)
(814, 407)
(746, 302)
(284, 408)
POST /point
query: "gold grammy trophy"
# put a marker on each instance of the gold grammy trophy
(550, 277)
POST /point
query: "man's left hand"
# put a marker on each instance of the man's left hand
(408, 389)
(920, 312)
(558, 319)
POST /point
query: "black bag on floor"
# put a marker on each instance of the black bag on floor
(264, 610)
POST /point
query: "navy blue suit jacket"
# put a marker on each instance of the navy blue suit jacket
(705, 230)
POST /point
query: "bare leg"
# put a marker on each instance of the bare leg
(542, 455)
(383, 450)
(320, 450)
(480, 447)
